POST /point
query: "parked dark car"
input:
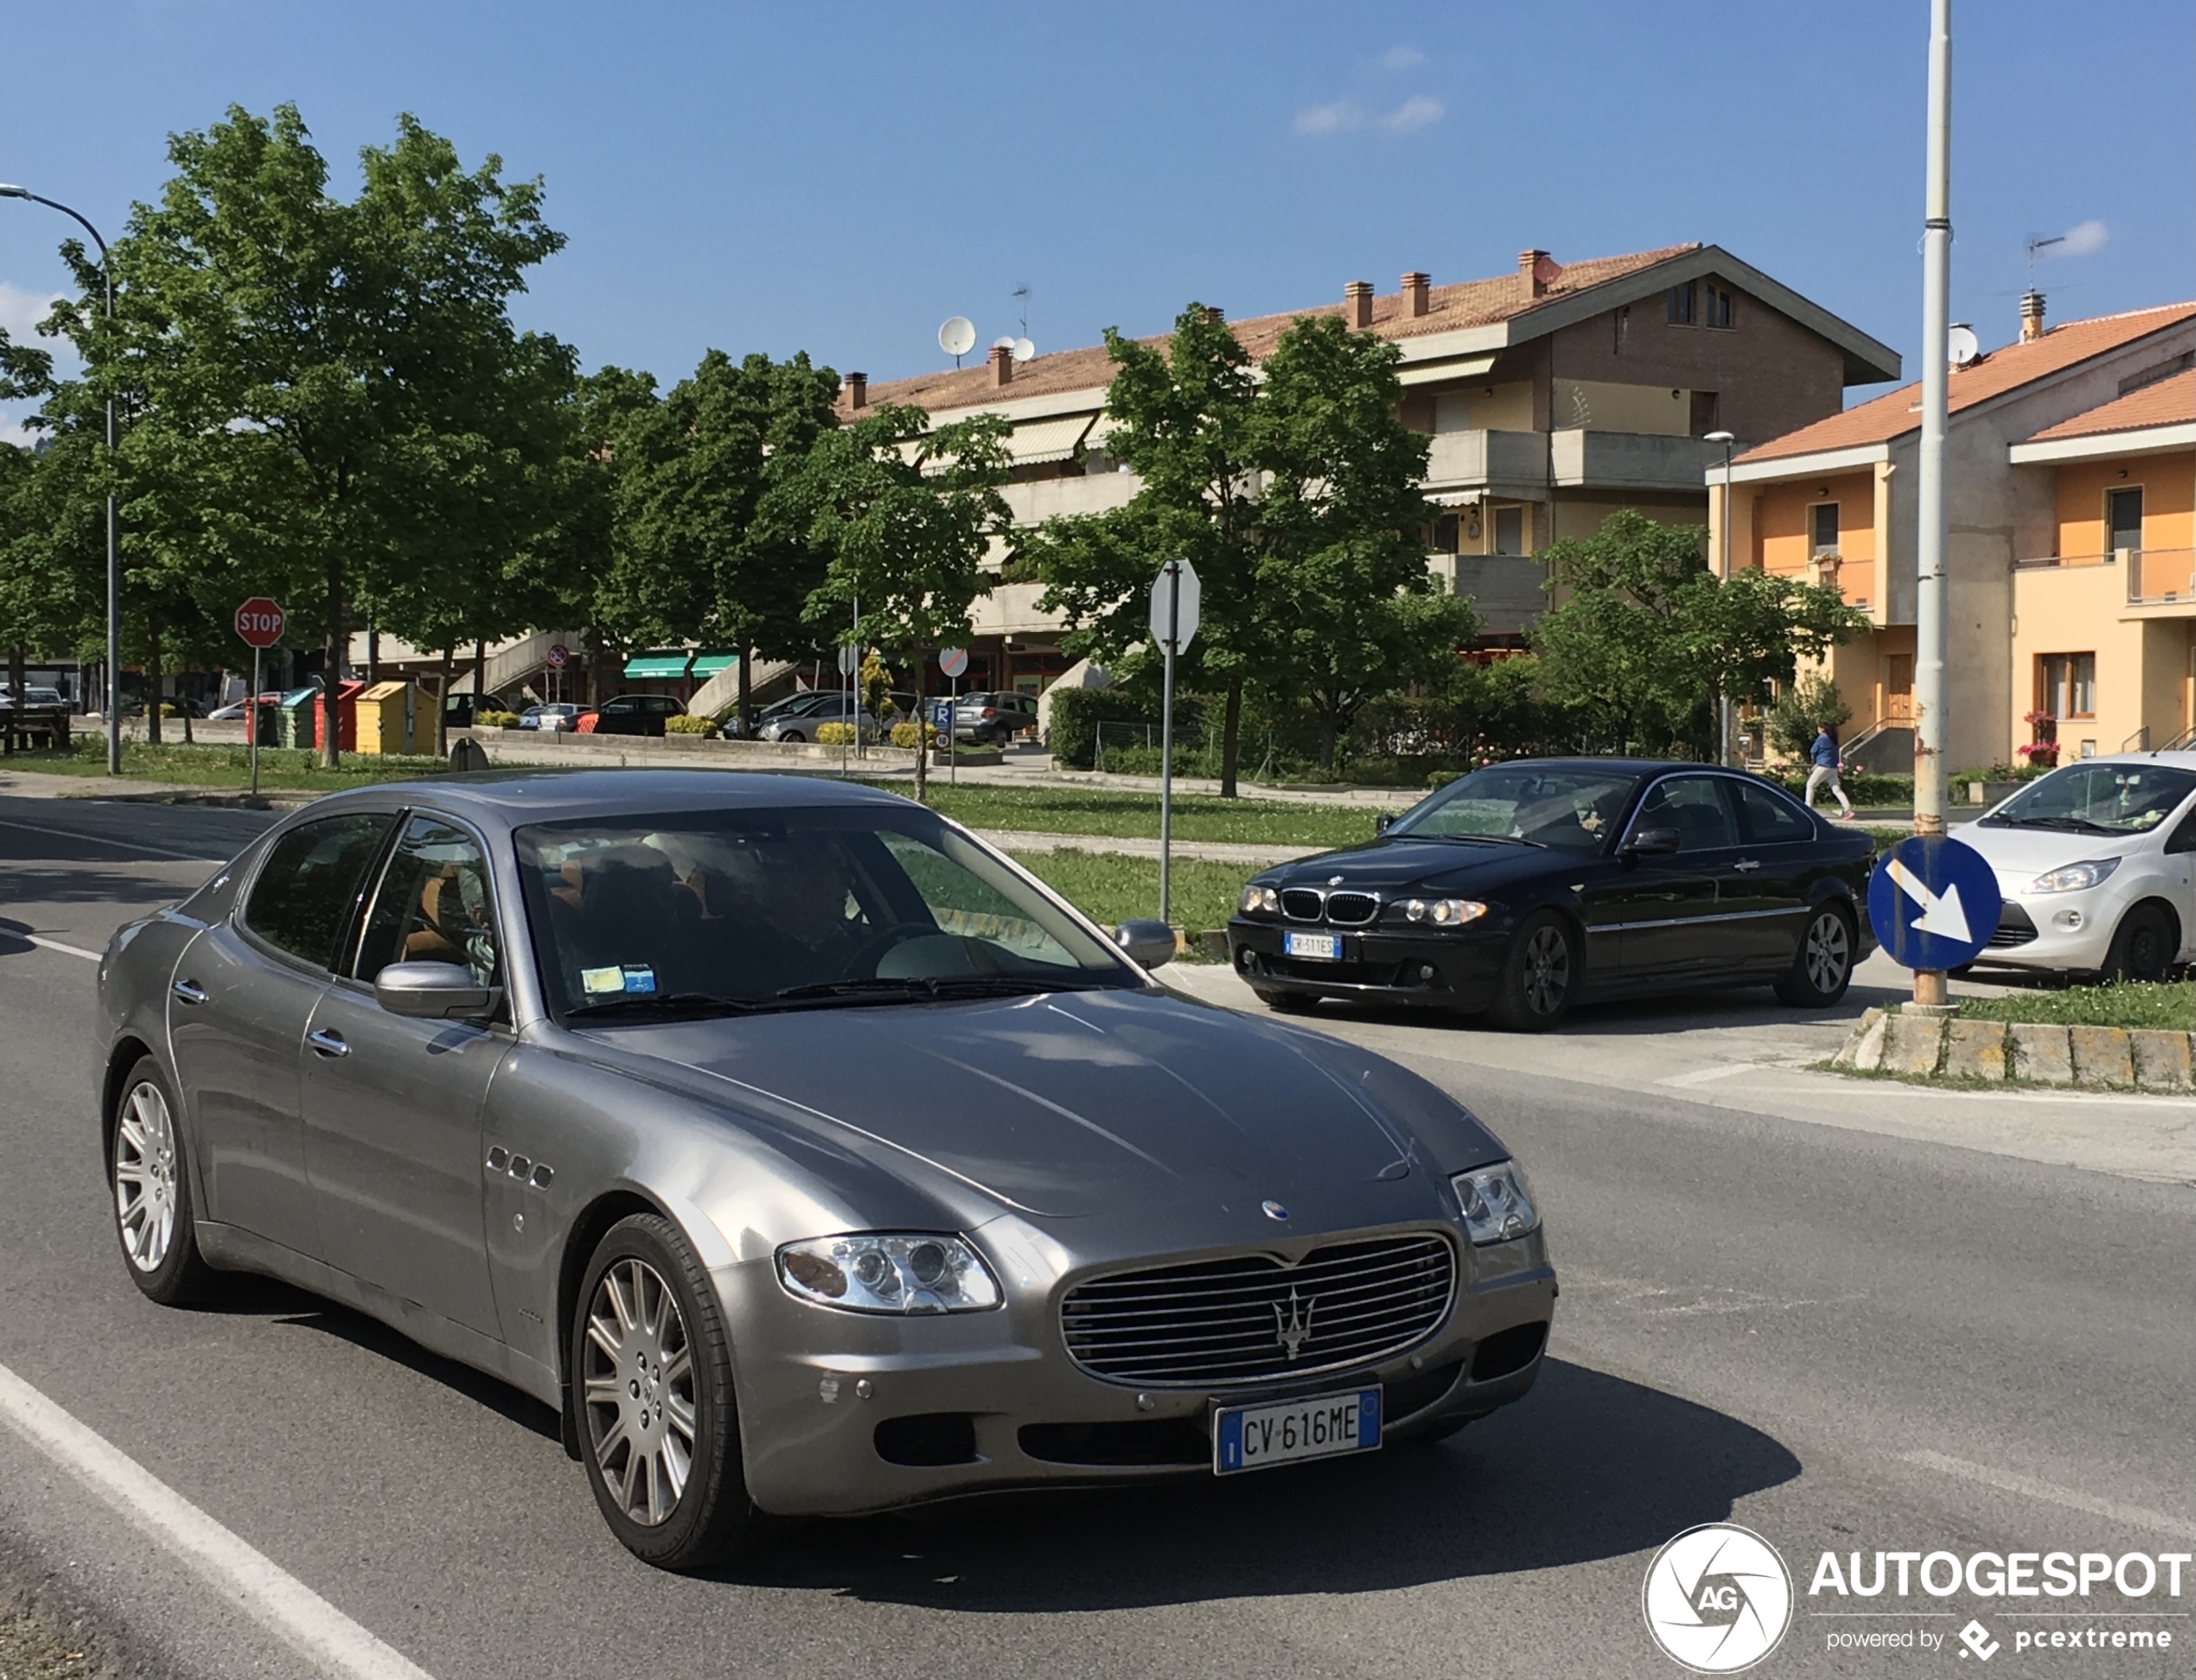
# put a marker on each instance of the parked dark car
(636, 714)
(994, 720)
(1526, 887)
(460, 711)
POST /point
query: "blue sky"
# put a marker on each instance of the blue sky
(841, 177)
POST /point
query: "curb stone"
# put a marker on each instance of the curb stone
(2043, 1054)
(2163, 1060)
(1976, 1050)
(2095, 1058)
(1913, 1044)
(1863, 1048)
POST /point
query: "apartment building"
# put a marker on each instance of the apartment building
(1551, 396)
(1836, 502)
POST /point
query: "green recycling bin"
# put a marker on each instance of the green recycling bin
(294, 717)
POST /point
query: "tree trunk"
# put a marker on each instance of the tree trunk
(331, 740)
(1231, 738)
(442, 704)
(922, 718)
(480, 677)
(373, 655)
(152, 677)
(747, 693)
(19, 675)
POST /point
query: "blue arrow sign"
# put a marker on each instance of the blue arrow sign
(1933, 902)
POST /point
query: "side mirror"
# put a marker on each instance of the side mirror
(1383, 822)
(1652, 843)
(1148, 942)
(434, 992)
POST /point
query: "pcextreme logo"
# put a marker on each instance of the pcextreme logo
(1717, 1598)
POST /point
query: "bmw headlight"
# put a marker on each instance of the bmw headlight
(1260, 900)
(1497, 1203)
(889, 1271)
(1443, 913)
(2075, 876)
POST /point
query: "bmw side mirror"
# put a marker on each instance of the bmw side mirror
(434, 992)
(1148, 942)
(1383, 822)
(1652, 843)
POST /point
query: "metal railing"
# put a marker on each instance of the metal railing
(2154, 577)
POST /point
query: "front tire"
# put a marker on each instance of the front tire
(1822, 965)
(1540, 975)
(1285, 1003)
(2143, 947)
(651, 1390)
(149, 1178)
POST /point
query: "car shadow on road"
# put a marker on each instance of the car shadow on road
(1588, 1466)
(305, 1313)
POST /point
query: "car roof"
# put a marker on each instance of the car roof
(513, 797)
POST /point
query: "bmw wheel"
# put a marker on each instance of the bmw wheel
(150, 1182)
(1287, 1003)
(652, 1378)
(1539, 976)
(1822, 965)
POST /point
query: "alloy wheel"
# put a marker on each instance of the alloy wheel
(144, 1177)
(1829, 952)
(1548, 970)
(637, 1390)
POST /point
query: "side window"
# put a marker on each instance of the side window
(1693, 805)
(305, 891)
(433, 905)
(1768, 818)
(2183, 839)
(965, 905)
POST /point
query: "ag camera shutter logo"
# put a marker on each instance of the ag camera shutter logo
(1717, 1598)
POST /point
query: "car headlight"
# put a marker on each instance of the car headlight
(2075, 876)
(1444, 912)
(1497, 1203)
(889, 1271)
(1259, 900)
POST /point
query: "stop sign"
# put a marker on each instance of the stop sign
(260, 622)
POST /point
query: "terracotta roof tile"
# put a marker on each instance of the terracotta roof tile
(2169, 402)
(1449, 308)
(1898, 412)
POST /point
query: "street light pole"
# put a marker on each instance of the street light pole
(1931, 619)
(1723, 701)
(113, 707)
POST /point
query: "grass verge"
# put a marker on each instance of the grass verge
(1109, 888)
(1119, 812)
(286, 769)
(2168, 1005)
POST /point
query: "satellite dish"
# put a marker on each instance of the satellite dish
(1024, 349)
(1004, 341)
(1960, 346)
(958, 336)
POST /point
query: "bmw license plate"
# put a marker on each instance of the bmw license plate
(1290, 1431)
(1327, 947)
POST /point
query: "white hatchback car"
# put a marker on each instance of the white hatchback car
(2097, 863)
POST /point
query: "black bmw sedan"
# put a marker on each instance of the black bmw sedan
(1528, 887)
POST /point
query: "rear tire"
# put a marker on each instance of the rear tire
(2143, 947)
(1822, 965)
(149, 1182)
(1540, 975)
(651, 1375)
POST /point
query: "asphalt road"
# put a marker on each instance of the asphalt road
(1840, 1338)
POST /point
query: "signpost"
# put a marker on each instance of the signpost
(850, 661)
(953, 661)
(556, 658)
(1175, 598)
(1934, 903)
(259, 624)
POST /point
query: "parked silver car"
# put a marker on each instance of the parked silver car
(806, 1154)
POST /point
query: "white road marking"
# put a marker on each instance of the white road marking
(1706, 1075)
(118, 846)
(46, 944)
(2134, 1517)
(327, 1639)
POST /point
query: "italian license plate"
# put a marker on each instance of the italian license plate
(1327, 947)
(1290, 1431)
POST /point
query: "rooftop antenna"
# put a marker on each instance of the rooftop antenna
(2037, 242)
(1022, 292)
(957, 337)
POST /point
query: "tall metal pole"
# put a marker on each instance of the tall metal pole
(113, 704)
(1723, 701)
(1931, 619)
(1166, 739)
(252, 722)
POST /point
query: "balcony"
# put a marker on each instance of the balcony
(2156, 577)
(1631, 461)
(1507, 463)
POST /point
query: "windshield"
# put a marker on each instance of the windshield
(1575, 810)
(2109, 798)
(724, 911)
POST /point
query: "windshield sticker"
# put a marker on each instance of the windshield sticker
(599, 980)
(639, 977)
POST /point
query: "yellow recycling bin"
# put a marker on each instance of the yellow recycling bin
(388, 715)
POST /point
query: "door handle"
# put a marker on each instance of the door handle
(1747, 865)
(325, 1043)
(189, 991)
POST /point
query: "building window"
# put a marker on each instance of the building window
(1822, 528)
(1622, 318)
(1509, 530)
(1700, 415)
(1444, 535)
(1719, 305)
(2066, 685)
(1679, 305)
(2122, 519)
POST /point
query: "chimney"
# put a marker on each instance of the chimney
(856, 390)
(1415, 287)
(2031, 316)
(1356, 303)
(1002, 364)
(1214, 314)
(1533, 268)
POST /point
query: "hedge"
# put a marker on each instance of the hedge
(1076, 713)
(690, 723)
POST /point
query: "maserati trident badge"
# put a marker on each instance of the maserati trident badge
(1293, 1332)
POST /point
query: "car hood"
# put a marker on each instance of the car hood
(1081, 1103)
(2019, 855)
(1387, 864)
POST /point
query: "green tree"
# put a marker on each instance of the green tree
(907, 539)
(1804, 707)
(582, 556)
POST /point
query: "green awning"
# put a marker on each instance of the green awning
(658, 666)
(708, 665)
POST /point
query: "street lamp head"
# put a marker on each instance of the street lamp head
(1720, 437)
(14, 192)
